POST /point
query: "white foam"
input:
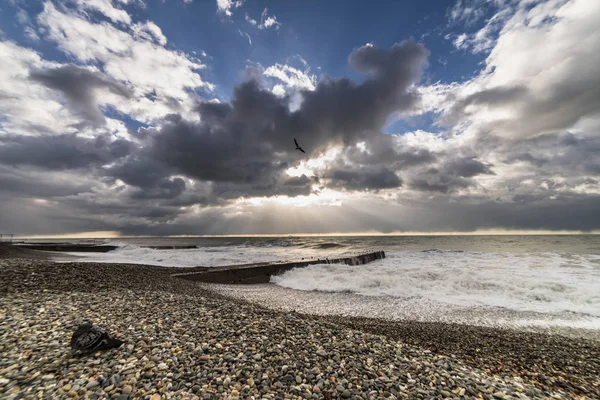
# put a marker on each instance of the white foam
(540, 282)
(205, 256)
(202, 256)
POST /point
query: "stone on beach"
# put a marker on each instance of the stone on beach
(171, 328)
(89, 338)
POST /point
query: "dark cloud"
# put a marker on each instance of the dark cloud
(451, 174)
(364, 178)
(163, 189)
(30, 183)
(488, 97)
(435, 181)
(275, 186)
(79, 86)
(527, 157)
(339, 110)
(59, 152)
(462, 213)
(246, 146)
(240, 149)
(383, 150)
(467, 167)
(562, 154)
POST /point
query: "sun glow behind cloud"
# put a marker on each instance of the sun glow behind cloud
(310, 166)
(324, 197)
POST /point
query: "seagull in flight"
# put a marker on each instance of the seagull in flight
(298, 146)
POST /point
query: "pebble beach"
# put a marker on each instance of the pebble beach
(186, 341)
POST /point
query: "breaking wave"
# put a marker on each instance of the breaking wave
(542, 282)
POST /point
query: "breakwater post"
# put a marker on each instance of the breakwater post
(262, 272)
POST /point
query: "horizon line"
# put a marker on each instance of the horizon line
(116, 235)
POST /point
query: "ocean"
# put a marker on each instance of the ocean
(511, 281)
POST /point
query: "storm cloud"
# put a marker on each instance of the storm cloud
(246, 146)
(62, 152)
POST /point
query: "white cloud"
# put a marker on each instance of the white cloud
(278, 90)
(162, 79)
(226, 6)
(533, 111)
(251, 21)
(292, 77)
(467, 11)
(246, 36)
(538, 77)
(107, 8)
(267, 21)
(149, 31)
(28, 107)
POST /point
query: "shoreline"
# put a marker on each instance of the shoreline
(159, 316)
(394, 309)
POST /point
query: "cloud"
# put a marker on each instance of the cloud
(163, 80)
(106, 8)
(226, 6)
(246, 36)
(28, 107)
(267, 21)
(149, 31)
(292, 77)
(251, 21)
(528, 86)
(363, 179)
(60, 152)
(466, 11)
(515, 146)
(245, 147)
(28, 26)
(468, 167)
(469, 12)
(79, 85)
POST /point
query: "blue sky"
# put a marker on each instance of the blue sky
(322, 34)
(178, 117)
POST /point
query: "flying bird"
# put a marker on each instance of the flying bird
(89, 338)
(298, 146)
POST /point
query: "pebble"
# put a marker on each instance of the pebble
(193, 344)
(92, 384)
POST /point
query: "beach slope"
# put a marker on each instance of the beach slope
(183, 341)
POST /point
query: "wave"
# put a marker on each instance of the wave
(127, 253)
(441, 251)
(542, 282)
(329, 245)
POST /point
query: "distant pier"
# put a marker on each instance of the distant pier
(262, 272)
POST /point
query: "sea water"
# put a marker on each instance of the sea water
(542, 280)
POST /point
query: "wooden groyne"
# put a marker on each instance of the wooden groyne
(183, 247)
(92, 248)
(69, 247)
(262, 272)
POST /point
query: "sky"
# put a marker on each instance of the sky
(178, 117)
